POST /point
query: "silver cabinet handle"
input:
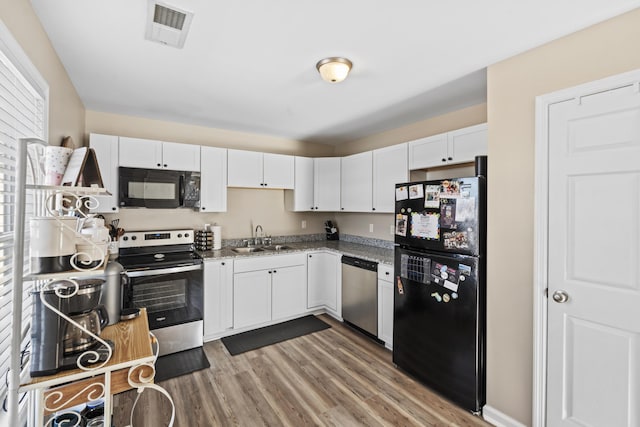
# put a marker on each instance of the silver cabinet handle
(560, 296)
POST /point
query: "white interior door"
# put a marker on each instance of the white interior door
(593, 372)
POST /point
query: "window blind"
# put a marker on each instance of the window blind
(22, 114)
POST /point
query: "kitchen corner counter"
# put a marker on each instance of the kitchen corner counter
(378, 254)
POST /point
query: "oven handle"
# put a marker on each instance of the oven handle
(170, 270)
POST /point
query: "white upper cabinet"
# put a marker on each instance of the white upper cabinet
(465, 144)
(301, 198)
(326, 184)
(152, 154)
(459, 146)
(356, 190)
(180, 157)
(106, 149)
(390, 167)
(428, 152)
(260, 170)
(278, 170)
(213, 179)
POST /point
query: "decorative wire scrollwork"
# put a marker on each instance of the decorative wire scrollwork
(66, 423)
(75, 205)
(146, 381)
(90, 356)
(53, 401)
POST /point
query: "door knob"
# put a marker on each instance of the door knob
(560, 296)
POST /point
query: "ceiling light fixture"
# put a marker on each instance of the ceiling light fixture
(334, 70)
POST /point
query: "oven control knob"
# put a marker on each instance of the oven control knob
(186, 234)
(125, 238)
(179, 235)
(133, 237)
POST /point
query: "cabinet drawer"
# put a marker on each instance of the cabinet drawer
(385, 272)
(265, 262)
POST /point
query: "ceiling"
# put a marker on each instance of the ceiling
(249, 65)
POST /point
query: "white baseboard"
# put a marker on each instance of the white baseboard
(499, 419)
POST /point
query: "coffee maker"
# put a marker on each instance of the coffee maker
(58, 344)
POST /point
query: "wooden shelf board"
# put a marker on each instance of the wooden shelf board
(132, 347)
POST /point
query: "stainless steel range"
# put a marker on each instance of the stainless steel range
(165, 276)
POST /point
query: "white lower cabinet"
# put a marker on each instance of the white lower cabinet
(288, 293)
(385, 304)
(218, 298)
(251, 298)
(324, 281)
(267, 288)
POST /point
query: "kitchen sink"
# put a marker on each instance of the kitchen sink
(276, 247)
(246, 250)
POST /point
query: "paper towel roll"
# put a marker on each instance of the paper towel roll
(217, 237)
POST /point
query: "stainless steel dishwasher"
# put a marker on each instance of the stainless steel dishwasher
(360, 293)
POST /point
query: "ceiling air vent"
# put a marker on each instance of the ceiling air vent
(167, 24)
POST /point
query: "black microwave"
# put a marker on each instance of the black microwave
(158, 189)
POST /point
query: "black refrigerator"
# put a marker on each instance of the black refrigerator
(440, 293)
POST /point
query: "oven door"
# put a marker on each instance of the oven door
(149, 188)
(172, 296)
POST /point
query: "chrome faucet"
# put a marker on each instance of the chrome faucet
(258, 238)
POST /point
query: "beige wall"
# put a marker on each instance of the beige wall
(473, 115)
(138, 127)
(66, 111)
(602, 50)
(246, 208)
(358, 223)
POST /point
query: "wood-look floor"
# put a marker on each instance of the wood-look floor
(334, 377)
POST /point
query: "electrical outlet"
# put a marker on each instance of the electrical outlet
(370, 228)
(304, 224)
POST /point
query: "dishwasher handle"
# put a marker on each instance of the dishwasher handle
(360, 263)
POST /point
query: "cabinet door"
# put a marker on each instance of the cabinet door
(251, 298)
(218, 297)
(356, 188)
(465, 144)
(390, 167)
(278, 170)
(106, 148)
(213, 179)
(322, 280)
(244, 169)
(385, 312)
(180, 157)
(301, 198)
(428, 152)
(326, 184)
(289, 291)
(140, 153)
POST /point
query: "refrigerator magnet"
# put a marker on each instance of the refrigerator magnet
(416, 191)
(399, 285)
(425, 225)
(446, 298)
(454, 295)
(450, 188)
(464, 269)
(455, 240)
(437, 296)
(448, 214)
(432, 196)
(465, 209)
(401, 224)
(450, 285)
(402, 193)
